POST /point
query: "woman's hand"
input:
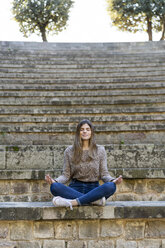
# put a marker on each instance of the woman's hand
(118, 180)
(49, 180)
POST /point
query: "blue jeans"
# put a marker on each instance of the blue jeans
(83, 192)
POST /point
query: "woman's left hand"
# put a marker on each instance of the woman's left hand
(118, 180)
(49, 180)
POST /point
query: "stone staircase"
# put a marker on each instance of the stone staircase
(45, 89)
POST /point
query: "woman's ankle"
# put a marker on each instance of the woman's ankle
(74, 202)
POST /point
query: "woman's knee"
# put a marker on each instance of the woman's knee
(109, 187)
(54, 188)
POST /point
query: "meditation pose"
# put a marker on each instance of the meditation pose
(85, 164)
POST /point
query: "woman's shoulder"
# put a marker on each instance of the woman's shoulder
(100, 149)
(69, 149)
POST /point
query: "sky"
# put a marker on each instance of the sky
(89, 22)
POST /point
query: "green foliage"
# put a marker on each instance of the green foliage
(137, 15)
(41, 16)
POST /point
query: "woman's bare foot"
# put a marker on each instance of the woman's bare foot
(118, 180)
(49, 180)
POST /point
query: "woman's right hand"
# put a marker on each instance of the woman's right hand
(49, 180)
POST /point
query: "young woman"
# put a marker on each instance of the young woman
(85, 163)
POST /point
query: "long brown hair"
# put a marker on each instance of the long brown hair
(77, 146)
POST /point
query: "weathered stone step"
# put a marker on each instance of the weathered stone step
(85, 52)
(81, 93)
(94, 75)
(36, 64)
(73, 83)
(85, 61)
(50, 86)
(15, 211)
(100, 71)
(71, 118)
(110, 62)
(43, 46)
(46, 110)
(71, 101)
(67, 128)
(35, 159)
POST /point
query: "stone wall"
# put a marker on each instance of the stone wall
(139, 233)
(38, 190)
(132, 161)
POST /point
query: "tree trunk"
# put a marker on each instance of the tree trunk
(149, 28)
(43, 34)
(163, 31)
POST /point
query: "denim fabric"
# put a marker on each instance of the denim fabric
(83, 192)
(83, 187)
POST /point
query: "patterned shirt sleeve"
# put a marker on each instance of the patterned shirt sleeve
(104, 174)
(65, 177)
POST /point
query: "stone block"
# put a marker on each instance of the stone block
(35, 187)
(83, 212)
(66, 229)
(88, 229)
(121, 243)
(23, 244)
(134, 230)
(7, 244)
(45, 188)
(77, 244)
(54, 243)
(124, 197)
(43, 230)
(20, 187)
(110, 228)
(101, 244)
(4, 187)
(29, 157)
(2, 157)
(149, 243)
(140, 187)
(21, 231)
(157, 186)
(20, 198)
(126, 186)
(155, 229)
(4, 230)
(163, 243)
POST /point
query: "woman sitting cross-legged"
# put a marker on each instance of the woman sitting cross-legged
(85, 163)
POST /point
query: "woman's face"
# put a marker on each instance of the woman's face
(85, 132)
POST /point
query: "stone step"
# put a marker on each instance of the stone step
(83, 61)
(72, 48)
(115, 210)
(100, 71)
(108, 65)
(79, 63)
(84, 83)
(77, 76)
(82, 93)
(118, 224)
(29, 85)
(78, 110)
(34, 161)
(72, 101)
(43, 46)
(67, 128)
(68, 50)
(120, 137)
(70, 119)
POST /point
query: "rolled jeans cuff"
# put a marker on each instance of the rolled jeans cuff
(78, 201)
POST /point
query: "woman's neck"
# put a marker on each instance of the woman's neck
(85, 145)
